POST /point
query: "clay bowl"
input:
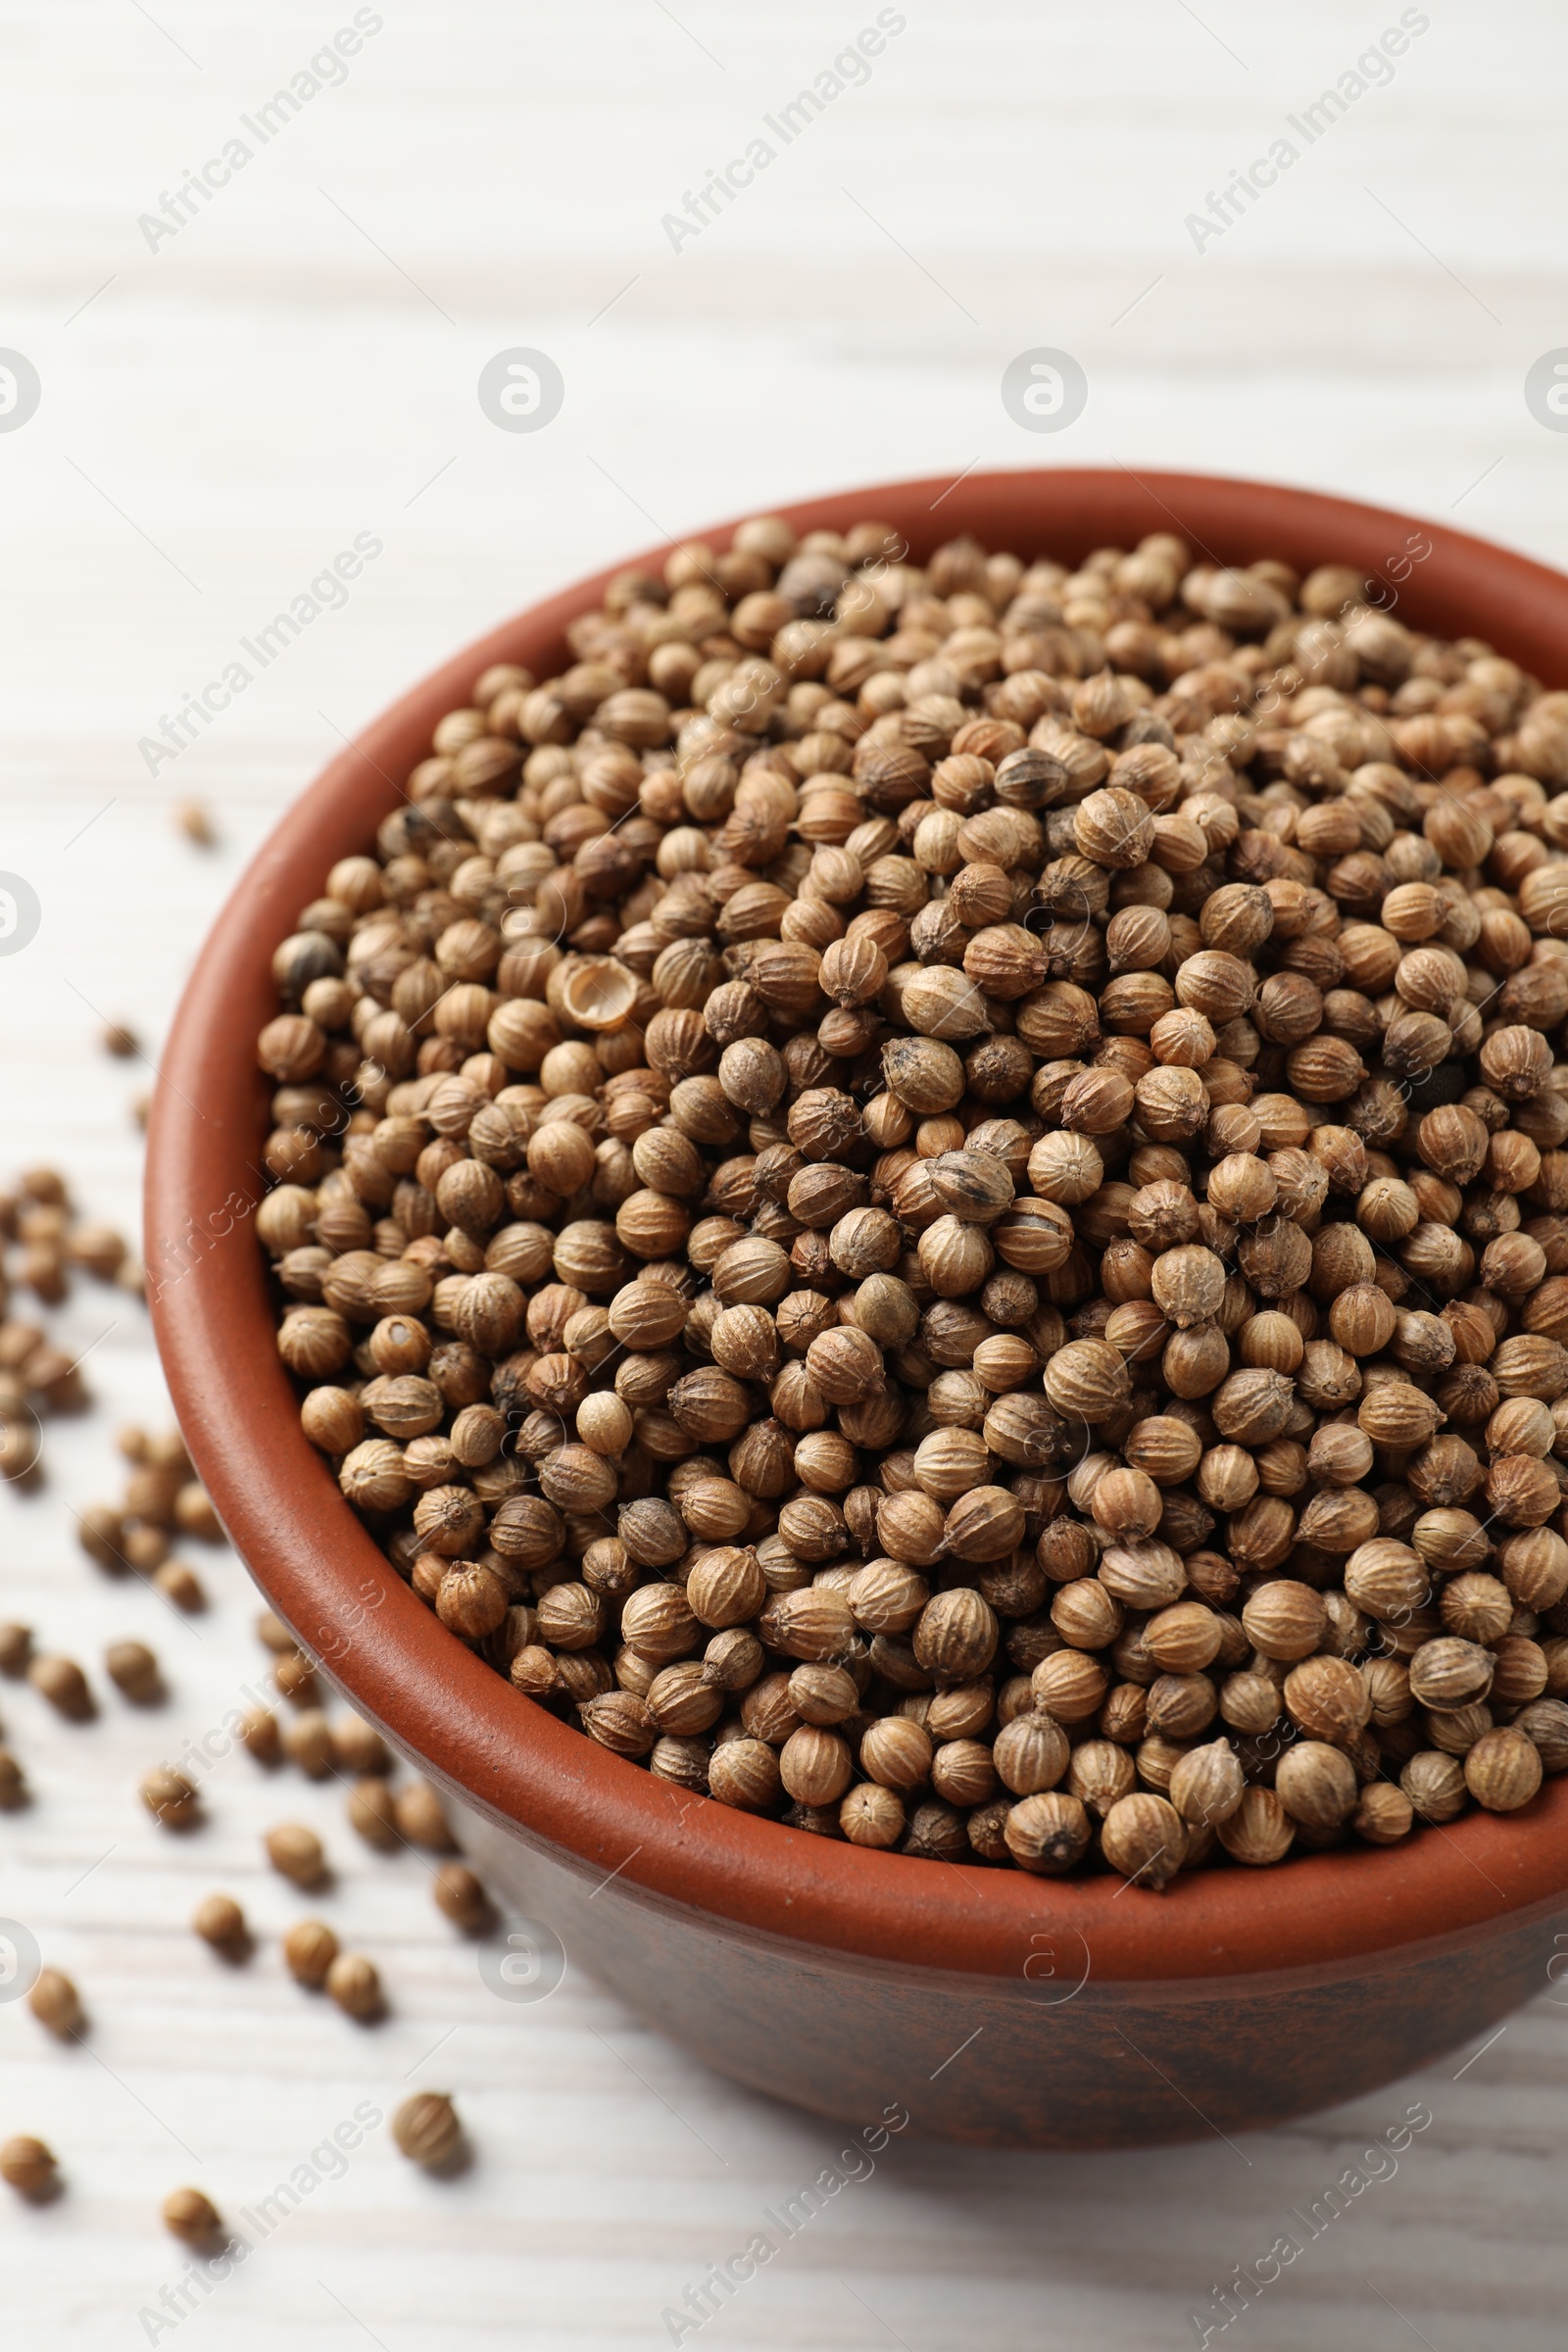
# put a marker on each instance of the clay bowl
(994, 2006)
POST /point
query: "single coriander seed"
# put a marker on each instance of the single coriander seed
(309, 1948)
(221, 1922)
(191, 2217)
(29, 2167)
(296, 1853)
(354, 1984)
(427, 2130)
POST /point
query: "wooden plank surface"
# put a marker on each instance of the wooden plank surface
(220, 414)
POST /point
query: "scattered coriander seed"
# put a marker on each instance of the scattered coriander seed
(170, 1798)
(63, 1684)
(20, 1448)
(53, 2002)
(101, 1531)
(190, 2217)
(192, 819)
(421, 1818)
(120, 1041)
(29, 2167)
(308, 1741)
(133, 1669)
(144, 1546)
(373, 1814)
(295, 1677)
(221, 1922)
(352, 1982)
(261, 1736)
(360, 1747)
(297, 1854)
(309, 1948)
(13, 1783)
(179, 1582)
(97, 1248)
(194, 1514)
(15, 1651)
(460, 1897)
(426, 2129)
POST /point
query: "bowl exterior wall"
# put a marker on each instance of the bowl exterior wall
(1053, 2061)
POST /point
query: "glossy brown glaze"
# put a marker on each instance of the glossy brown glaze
(1418, 1945)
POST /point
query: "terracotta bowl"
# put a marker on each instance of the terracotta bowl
(994, 2006)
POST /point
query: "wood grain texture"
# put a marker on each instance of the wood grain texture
(227, 412)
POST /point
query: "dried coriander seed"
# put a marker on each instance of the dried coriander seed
(55, 2003)
(221, 1922)
(308, 1741)
(194, 822)
(352, 1982)
(295, 1677)
(170, 1798)
(1503, 1770)
(133, 1669)
(426, 2129)
(309, 1948)
(63, 1684)
(372, 1812)
(421, 1818)
(191, 2217)
(179, 1582)
(29, 2167)
(260, 1735)
(360, 1747)
(460, 1897)
(296, 1853)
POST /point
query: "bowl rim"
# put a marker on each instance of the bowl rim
(319, 1568)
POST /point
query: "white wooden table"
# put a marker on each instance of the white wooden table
(222, 412)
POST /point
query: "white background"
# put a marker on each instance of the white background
(298, 366)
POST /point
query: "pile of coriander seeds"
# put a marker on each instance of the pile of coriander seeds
(931, 1199)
